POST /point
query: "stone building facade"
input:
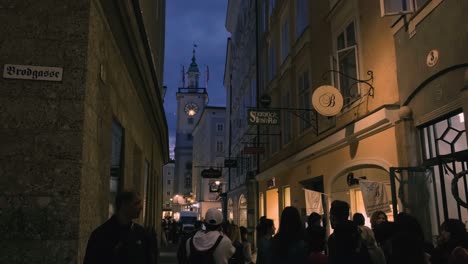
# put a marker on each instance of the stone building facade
(208, 153)
(66, 147)
(240, 82)
(407, 110)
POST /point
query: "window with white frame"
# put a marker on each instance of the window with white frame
(347, 59)
(219, 146)
(304, 99)
(287, 120)
(284, 39)
(220, 127)
(399, 7)
(302, 16)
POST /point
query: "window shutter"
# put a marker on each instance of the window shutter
(395, 7)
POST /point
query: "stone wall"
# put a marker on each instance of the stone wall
(55, 137)
(111, 94)
(41, 127)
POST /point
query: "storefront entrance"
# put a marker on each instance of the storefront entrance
(272, 202)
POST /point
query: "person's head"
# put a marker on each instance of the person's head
(409, 225)
(243, 233)
(213, 219)
(377, 218)
(128, 204)
(452, 234)
(358, 219)
(291, 226)
(339, 212)
(314, 219)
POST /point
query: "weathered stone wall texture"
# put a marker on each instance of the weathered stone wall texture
(41, 127)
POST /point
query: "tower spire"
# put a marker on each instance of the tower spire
(193, 72)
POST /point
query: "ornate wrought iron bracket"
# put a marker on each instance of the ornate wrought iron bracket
(369, 82)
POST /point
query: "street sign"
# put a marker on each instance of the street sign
(211, 173)
(263, 117)
(253, 150)
(30, 72)
(230, 163)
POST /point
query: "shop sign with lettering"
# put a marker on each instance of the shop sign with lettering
(263, 117)
(29, 72)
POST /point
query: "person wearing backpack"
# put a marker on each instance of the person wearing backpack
(210, 246)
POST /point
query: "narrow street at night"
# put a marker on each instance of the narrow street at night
(234, 131)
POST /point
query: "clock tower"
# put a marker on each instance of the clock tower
(191, 101)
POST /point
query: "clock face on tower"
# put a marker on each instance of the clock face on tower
(191, 109)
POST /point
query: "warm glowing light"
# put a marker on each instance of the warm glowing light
(461, 116)
(191, 112)
(217, 182)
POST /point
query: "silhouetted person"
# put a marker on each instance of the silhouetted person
(377, 218)
(246, 246)
(210, 245)
(345, 244)
(452, 243)
(288, 245)
(376, 254)
(119, 240)
(265, 230)
(315, 235)
(408, 241)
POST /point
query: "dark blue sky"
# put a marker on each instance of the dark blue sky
(188, 22)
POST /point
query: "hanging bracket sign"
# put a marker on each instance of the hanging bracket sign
(327, 100)
(211, 173)
(263, 117)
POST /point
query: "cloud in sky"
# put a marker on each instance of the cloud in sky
(189, 22)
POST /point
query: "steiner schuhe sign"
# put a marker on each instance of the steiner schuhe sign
(36, 73)
(263, 117)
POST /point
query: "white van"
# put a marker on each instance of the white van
(187, 220)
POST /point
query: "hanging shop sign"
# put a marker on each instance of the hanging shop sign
(327, 100)
(253, 150)
(211, 173)
(35, 73)
(230, 163)
(263, 117)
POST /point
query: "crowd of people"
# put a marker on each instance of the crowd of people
(401, 241)
(120, 240)
(350, 241)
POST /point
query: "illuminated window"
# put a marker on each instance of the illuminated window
(261, 208)
(286, 196)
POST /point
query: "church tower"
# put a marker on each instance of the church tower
(191, 102)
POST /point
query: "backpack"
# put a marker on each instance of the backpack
(238, 257)
(203, 257)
